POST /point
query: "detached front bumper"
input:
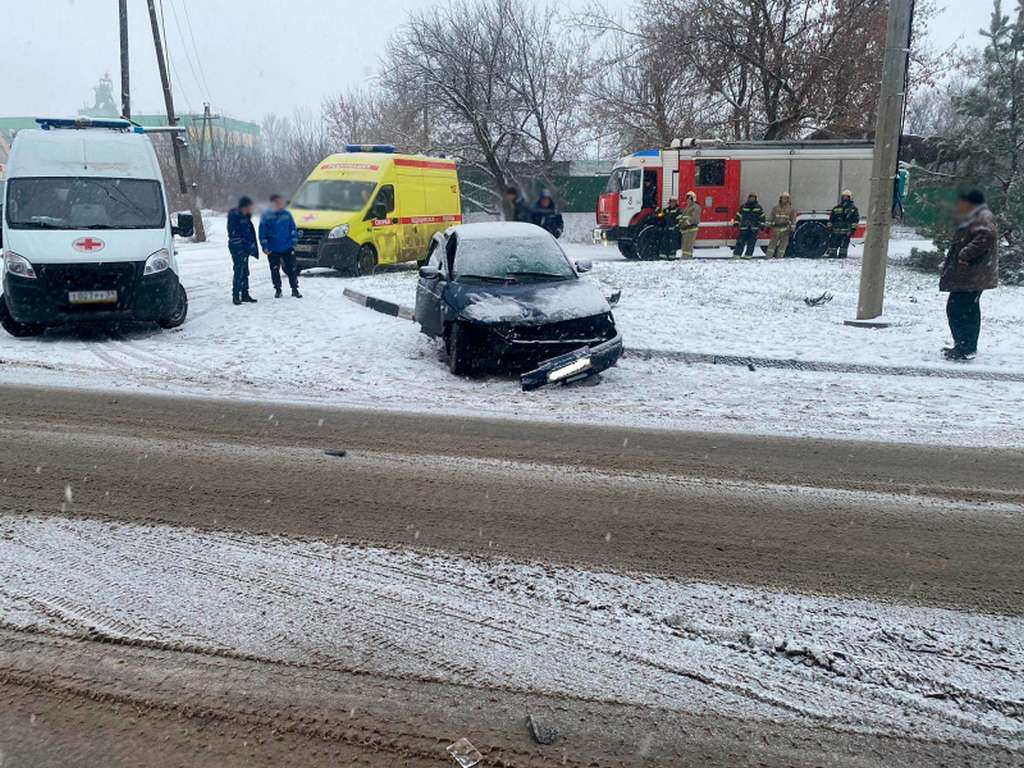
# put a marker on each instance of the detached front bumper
(45, 300)
(574, 366)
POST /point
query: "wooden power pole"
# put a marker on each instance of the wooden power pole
(888, 127)
(126, 102)
(179, 143)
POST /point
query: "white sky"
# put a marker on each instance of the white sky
(254, 56)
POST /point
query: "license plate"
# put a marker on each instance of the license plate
(92, 297)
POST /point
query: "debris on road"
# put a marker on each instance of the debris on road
(464, 753)
(336, 452)
(818, 301)
(542, 733)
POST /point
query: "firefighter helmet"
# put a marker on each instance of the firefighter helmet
(691, 195)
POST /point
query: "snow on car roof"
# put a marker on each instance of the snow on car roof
(491, 230)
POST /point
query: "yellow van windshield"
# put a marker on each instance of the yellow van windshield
(333, 195)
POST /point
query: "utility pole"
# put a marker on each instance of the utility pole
(179, 143)
(126, 102)
(888, 127)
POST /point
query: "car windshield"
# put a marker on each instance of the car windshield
(334, 195)
(512, 257)
(80, 202)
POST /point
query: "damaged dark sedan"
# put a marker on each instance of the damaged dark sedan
(506, 296)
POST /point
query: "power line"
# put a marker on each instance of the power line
(188, 55)
(168, 61)
(195, 48)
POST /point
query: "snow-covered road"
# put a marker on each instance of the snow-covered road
(639, 640)
(327, 350)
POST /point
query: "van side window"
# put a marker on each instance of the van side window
(709, 173)
(383, 204)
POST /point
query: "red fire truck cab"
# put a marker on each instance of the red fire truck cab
(722, 174)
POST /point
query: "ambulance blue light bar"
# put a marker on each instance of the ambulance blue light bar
(110, 123)
(385, 148)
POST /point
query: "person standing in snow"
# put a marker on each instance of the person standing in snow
(971, 266)
(782, 220)
(242, 245)
(842, 223)
(689, 223)
(278, 237)
(749, 220)
(545, 214)
(516, 206)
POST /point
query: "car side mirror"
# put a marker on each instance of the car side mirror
(184, 225)
(584, 265)
(430, 273)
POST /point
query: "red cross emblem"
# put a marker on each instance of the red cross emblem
(88, 244)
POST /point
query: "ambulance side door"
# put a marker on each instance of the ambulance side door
(384, 225)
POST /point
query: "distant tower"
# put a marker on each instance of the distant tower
(103, 95)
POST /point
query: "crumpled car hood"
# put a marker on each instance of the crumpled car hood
(527, 303)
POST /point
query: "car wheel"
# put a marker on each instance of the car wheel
(809, 241)
(460, 350)
(366, 261)
(627, 248)
(13, 327)
(177, 317)
(648, 244)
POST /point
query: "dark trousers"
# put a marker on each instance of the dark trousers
(838, 245)
(286, 261)
(963, 309)
(746, 241)
(240, 283)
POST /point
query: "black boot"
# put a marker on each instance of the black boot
(236, 299)
(248, 299)
(277, 293)
(296, 294)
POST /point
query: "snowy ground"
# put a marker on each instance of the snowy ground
(328, 350)
(739, 652)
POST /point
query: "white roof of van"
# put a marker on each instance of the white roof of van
(82, 152)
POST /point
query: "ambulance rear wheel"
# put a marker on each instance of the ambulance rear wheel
(366, 261)
(13, 327)
(627, 248)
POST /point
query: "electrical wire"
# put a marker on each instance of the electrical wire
(188, 55)
(169, 62)
(195, 48)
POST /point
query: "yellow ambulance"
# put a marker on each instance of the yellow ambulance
(370, 205)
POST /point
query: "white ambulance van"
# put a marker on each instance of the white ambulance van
(86, 233)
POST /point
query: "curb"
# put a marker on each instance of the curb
(379, 305)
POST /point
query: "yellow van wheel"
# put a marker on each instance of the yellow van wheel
(366, 261)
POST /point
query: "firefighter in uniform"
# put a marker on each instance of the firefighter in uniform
(842, 223)
(668, 220)
(689, 222)
(782, 220)
(749, 220)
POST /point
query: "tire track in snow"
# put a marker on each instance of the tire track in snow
(562, 631)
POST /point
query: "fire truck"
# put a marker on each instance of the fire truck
(722, 174)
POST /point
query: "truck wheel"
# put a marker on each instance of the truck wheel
(460, 350)
(177, 317)
(366, 261)
(627, 248)
(809, 241)
(13, 327)
(648, 243)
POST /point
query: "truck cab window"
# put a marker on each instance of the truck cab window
(709, 173)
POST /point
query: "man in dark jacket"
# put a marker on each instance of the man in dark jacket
(842, 223)
(750, 221)
(242, 245)
(517, 206)
(278, 238)
(971, 266)
(545, 214)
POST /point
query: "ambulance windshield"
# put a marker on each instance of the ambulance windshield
(333, 195)
(85, 203)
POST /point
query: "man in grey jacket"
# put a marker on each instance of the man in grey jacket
(971, 266)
